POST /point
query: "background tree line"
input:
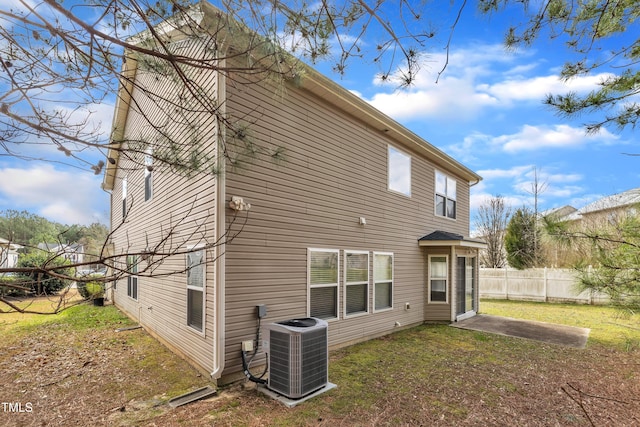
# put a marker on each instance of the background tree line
(605, 252)
(28, 229)
(39, 271)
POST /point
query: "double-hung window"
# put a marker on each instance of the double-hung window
(399, 171)
(323, 267)
(445, 195)
(195, 289)
(132, 278)
(438, 274)
(124, 198)
(148, 174)
(356, 282)
(383, 280)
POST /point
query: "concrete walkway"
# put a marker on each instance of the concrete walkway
(569, 336)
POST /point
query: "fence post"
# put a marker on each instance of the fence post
(506, 283)
(590, 297)
(546, 283)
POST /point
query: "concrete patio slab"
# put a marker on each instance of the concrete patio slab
(569, 336)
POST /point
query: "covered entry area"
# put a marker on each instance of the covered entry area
(451, 275)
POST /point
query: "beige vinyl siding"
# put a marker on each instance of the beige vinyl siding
(335, 171)
(185, 205)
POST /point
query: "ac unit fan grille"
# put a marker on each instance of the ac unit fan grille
(298, 362)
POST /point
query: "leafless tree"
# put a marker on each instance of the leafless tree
(491, 222)
(537, 187)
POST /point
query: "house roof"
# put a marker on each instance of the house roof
(312, 81)
(445, 238)
(614, 201)
(58, 247)
(9, 244)
(558, 213)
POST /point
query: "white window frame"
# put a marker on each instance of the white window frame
(148, 174)
(335, 284)
(124, 197)
(197, 288)
(398, 171)
(449, 194)
(358, 283)
(132, 277)
(446, 279)
(377, 281)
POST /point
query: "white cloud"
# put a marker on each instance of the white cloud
(521, 178)
(475, 78)
(454, 99)
(61, 196)
(536, 88)
(514, 172)
(531, 138)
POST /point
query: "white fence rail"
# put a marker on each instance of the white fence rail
(535, 284)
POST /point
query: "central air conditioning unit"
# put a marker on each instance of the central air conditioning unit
(298, 356)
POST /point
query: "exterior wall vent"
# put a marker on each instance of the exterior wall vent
(298, 356)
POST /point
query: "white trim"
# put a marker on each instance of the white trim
(345, 284)
(219, 336)
(447, 279)
(393, 278)
(466, 315)
(460, 243)
(323, 285)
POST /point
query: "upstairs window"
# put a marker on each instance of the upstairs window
(399, 171)
(148, 174)
(323, 265)
(445, 196)
(124, 198)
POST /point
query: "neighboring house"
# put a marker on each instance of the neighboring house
(609, 209)
(8, 253)
(558, 213)
(73, 252)
(363, 224)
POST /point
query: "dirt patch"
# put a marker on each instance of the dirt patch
(62, 375)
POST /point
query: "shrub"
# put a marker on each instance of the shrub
(11, 291)
(40, 281)
(91, 289)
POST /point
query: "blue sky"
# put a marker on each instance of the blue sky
(485, 110)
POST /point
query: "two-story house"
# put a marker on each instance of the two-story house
(363, 223)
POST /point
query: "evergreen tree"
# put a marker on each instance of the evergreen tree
(520, 239)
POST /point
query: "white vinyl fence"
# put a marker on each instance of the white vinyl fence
(535, 284)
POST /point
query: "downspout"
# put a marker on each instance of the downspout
(220, 275)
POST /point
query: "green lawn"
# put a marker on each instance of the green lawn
(428, 375)
(609, 326)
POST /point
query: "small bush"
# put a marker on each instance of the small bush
(12, 291)
(90, 289)
(39, 280)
